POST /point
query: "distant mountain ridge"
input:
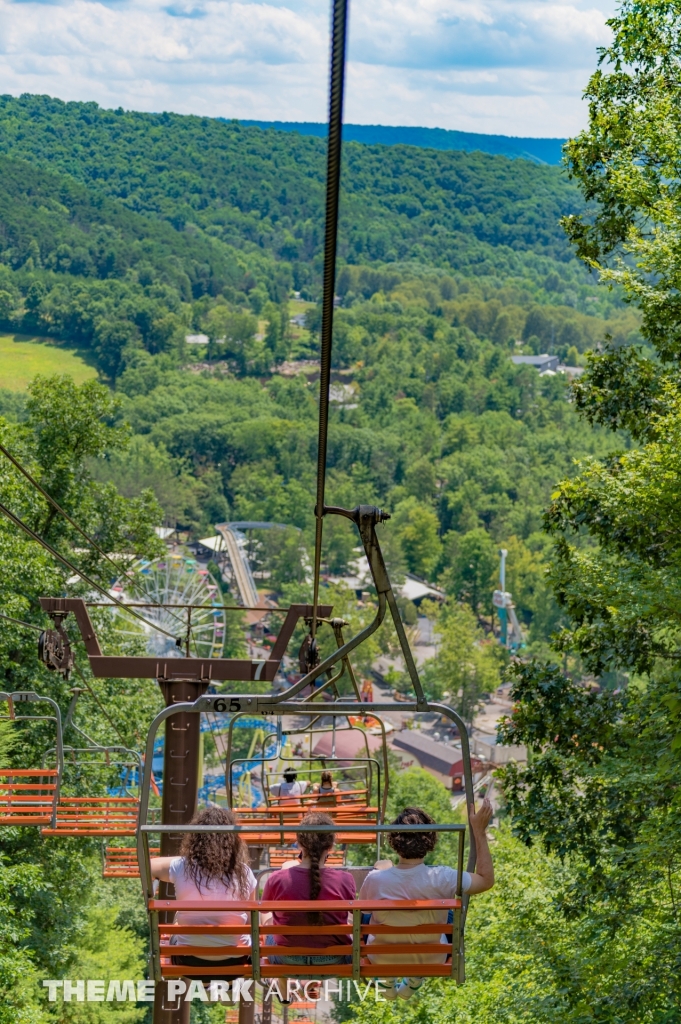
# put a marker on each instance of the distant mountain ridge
(538, 151)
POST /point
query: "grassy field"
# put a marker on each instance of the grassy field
(21, 357)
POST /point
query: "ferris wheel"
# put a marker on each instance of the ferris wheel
(175, 580)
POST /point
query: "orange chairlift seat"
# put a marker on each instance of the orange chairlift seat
(343, 805)
(121, 861)
(105, 815)
(287, 815)
(280, 828)
(28, 796)
(448, 958)
(279, 855)
(333, 761)
(261, 967)
(336, 798)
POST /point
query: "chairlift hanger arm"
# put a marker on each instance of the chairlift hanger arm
(338, 625)
(366, 518)
(333, 680)
(229, 762)
(338, 655)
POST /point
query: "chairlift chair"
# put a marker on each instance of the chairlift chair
(121, 861)
(161, 933)
(353, 798)
(102, 815)
(349, 807)
(29, 796)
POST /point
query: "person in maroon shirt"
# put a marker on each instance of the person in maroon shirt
(311, 880)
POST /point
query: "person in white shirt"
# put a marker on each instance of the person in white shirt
(412, 879)
(211, 866)
(290, 789)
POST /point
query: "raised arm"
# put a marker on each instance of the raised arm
(160, 866)
(482, 878)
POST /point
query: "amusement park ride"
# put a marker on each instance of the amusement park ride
(195, 683)
(510, 632)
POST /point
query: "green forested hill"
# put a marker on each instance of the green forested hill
(265, 187)
(127, 228)
(59, 225)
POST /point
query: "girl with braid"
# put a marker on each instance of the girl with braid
(311, 880)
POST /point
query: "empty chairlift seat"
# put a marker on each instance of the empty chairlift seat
(28, 796)
(95, 816)
(121, 861)
(110, 815)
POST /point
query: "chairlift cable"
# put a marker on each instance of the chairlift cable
(69, 565)
(55, 504)
(19, 622)
(100, 705)
(333, 175)
(32, 626)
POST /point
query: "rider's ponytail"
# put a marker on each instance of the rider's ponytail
(314, 845)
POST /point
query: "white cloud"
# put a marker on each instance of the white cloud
(515, 67)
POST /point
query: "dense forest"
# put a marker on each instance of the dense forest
(124, 222)
(121, 234)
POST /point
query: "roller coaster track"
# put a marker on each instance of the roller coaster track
(235, 545)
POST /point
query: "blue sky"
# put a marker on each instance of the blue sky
(512, 67)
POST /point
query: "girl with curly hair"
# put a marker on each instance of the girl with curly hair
(211, 866)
